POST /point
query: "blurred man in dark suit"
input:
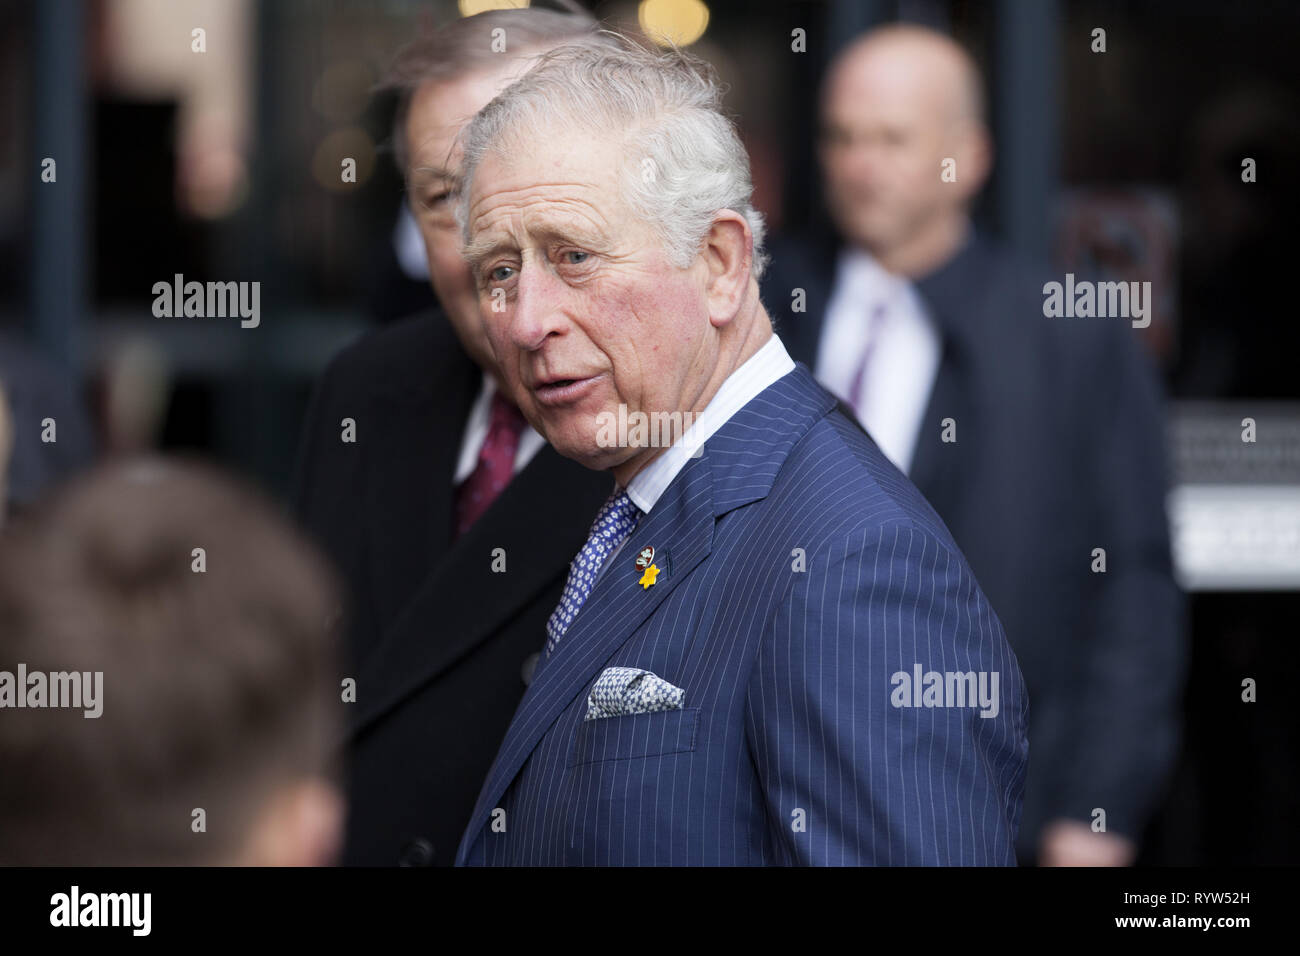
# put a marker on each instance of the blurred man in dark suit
(1036, 439)
(452, 521)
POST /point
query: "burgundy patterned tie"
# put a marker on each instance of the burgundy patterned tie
(874, 324)
(496, 464)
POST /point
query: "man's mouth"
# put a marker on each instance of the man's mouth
(563, 391)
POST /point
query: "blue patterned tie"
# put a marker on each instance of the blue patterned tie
(617, 517)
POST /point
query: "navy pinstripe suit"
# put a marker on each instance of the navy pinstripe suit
(789, 748)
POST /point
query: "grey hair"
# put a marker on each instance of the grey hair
(468, 45)
(683, 158)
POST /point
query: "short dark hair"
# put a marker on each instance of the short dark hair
(219, 685)
(465, 46)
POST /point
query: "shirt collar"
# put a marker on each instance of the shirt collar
(945, 291)
(476, 430)
(859, 268)
(763, 368)
(863, 279)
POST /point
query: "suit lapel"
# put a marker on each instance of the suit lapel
(680, 525)
(937, 466)
(409, 485)
(539, 522)
(941, 470)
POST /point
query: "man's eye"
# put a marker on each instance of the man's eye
(500, 273)
(437, 201)
(576, 257)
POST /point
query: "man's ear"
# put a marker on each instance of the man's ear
(727, 254)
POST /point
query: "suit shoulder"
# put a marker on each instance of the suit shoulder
(412, 349)
(1014, 289)
(858, 489)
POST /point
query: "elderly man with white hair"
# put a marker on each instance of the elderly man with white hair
(769, 650)
(439, 481)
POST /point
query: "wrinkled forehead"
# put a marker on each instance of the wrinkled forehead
(570, 180)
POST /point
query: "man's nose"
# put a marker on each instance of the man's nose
(864, 159)
(535, 313)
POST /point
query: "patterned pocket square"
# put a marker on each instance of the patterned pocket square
(623, 691)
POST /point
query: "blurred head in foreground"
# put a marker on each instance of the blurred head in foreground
(168, 683)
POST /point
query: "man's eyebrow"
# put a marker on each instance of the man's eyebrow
(478, 251)
(427, 173)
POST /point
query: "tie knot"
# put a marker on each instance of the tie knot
(617, 517)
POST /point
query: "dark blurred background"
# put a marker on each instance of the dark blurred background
(224, 165)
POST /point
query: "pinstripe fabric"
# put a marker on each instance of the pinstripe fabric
(788, 749)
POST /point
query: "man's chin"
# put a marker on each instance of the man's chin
(593, 456)
(584, 447)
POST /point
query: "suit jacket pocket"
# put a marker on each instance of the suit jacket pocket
(635, 735)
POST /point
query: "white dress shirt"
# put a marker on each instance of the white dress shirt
(904, 361)
(476, 430)
(763, 368)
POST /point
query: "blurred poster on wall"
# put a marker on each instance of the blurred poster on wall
(1235, 508)
(1126, 234)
